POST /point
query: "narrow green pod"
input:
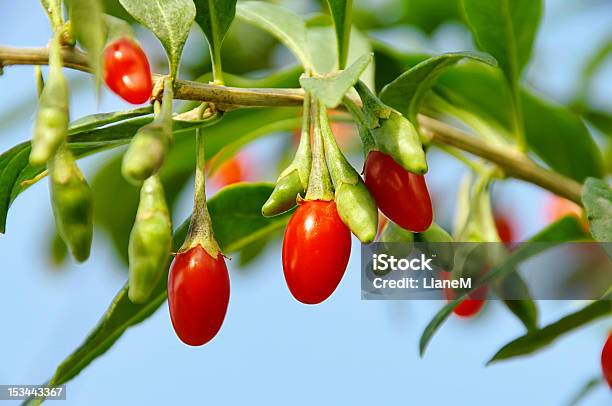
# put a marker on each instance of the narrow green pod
(444, 251)
(150, 241)
(51, 126)
(293, 181)
(358, 210)
(148, 148)
(146, 153)
(72, 203)
(398, 138)
(394, 233)
(283, 197)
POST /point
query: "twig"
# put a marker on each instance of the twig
(513, 162)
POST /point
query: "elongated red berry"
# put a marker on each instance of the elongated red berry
(468, 307)
(198, 295)
(316, 250)
(402, 196)
(127, 71)
(606, 360)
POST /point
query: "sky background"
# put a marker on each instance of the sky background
(272, 349)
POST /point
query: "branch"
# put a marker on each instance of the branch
(514, 163)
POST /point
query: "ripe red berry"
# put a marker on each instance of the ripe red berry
(198, 295)
(402, 196)
(606, 360)
(127, 71)
(467, 307)
(316, 250)
(505, 228)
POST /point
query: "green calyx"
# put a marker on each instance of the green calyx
(72, 203)
(148, 148)
(391, 132)
(52, 119)
(356, 206)
(293, 181)
(150, 241)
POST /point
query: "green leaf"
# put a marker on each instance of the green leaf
(237, 220)
(480, 91)
(536, 340)
(332, 88)
(169, 20)
(407, 91)
(16, 173)
(341, 13)
(565, 229)
(506, 29)
(597, 200)
(215, 18)
(513, 286)
(97, 120)
(571, 151)
(324, 53)
(287, 27)
(89, 28)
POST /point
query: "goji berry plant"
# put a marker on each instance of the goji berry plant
(472, 105)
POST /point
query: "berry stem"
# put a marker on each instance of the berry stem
(200, 229)
(319, 184)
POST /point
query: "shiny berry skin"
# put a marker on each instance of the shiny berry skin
(402, 196)
(198, 295)
(316, 251)
(467, 307)
(505, 228)
(606, 360)
(127, 71)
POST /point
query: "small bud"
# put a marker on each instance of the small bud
(444, 250)
(150, 241)
(284, 195)
(358, 210)
(72, 204)
(398, 138)
(51, 125)
(146, 153)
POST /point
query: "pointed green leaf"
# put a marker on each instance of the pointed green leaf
(332, 88)
(88, 137)
(324, 53)
(215, 18)
(597, 200)
(506, 29)
(287, 27)
(545, 336)
(406, 93)
(481, 92)
(341, 11)
(237, 221)
(89, 28)
(169, 20)
(565, 229)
